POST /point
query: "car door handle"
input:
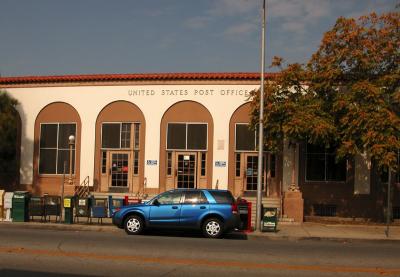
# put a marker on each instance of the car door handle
(175, 207)
(202, 207)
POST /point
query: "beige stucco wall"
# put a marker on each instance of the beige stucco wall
(153, 100)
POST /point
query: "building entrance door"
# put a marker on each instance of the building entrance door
(186, 173)
(251, 172)
(120, 169)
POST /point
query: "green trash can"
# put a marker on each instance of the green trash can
(269, 220)
(68, 209)
(20, 204)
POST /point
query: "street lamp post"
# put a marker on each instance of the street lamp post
(388, 208)
(260, 172)
(71, 145)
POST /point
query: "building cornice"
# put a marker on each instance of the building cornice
(133, 79)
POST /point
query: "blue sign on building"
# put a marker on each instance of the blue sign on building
(151, 162)
(220, 163)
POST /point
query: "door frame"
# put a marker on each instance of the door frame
(266, 161)
(184, 153)
(109, 169)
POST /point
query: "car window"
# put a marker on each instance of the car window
(222, 197)
(170, 197)
(195, 197)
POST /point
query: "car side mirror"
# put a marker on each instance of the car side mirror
(156, 203)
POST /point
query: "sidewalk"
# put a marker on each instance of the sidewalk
(285, 231)
(321, 231)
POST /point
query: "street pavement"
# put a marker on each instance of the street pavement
(49, 249)
(285, 231)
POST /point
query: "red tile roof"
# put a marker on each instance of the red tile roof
(131, 77)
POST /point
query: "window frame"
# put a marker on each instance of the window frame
(325, 167)
(203, 164)
(132, 135)
(57, 148)
(186, 136)
(169, 163)
(255, 139)
(238, 165)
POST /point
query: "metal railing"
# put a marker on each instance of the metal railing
(83, 189)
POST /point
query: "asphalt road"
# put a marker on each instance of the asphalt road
(41, 252)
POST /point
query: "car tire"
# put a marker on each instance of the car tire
(213, 228)
(133, 225)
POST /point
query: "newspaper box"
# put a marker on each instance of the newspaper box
(8, 197)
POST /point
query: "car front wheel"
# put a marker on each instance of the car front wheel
(212, 228)
(133, 225)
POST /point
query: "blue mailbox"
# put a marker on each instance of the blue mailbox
(99, 208)
(113, 204)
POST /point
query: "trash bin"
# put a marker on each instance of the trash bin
(20, 202)
(36, 207)
(82, 206)
(99, 208)
(114, 204)
(244, 211)
(269, 220)
(8, 199)
(52, 206)
(68, 209)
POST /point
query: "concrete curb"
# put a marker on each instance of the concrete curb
(315, 238)
(63, 226)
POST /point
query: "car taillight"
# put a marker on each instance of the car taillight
(117, 210)
(234, 208)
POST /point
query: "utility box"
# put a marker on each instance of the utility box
(1, 204)
(20, 203)
(8, 198)
(244, 210)
(68, 209)
(99, 207)
(269, 220)
(82, 207)
(52, 206)
(36, 207)
(114, 204)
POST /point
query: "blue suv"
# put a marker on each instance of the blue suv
(214, 212)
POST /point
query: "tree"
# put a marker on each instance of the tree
(356, 69)
(291, 112)
(8, 134)
(347, 94)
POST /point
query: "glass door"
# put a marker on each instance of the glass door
(251, 172)
(186, 170)
(120, 169)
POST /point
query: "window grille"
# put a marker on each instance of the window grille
(324, 210)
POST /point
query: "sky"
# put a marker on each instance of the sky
(59, 37)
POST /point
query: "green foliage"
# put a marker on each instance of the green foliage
(357, 69)
(347, 94)
(8, 134)
(290, 111)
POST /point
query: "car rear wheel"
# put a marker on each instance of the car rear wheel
(133, 225)
(212, 228)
